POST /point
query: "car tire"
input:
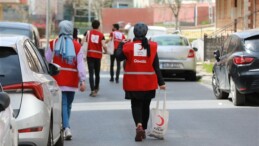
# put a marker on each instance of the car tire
(60, 141)
(216, 90)
(238, 99)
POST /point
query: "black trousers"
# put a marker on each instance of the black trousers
(112, 59)
(94, 66)
(140, 111)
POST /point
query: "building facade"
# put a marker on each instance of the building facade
(242, 14)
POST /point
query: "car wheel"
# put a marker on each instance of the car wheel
(216, 90)
(237, 98)
(60, 141)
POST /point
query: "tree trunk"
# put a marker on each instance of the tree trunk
(176, 22)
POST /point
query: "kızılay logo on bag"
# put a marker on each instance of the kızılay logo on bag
(162, 121)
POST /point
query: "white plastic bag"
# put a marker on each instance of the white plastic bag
(158, 120)
(110, 46)
(85, 44)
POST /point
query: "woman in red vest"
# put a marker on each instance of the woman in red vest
(141, 76)
(67, 53)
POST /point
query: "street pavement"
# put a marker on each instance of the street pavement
(196, 118)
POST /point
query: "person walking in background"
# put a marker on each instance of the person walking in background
(116, 36)
(94, 55)
(75, 36)
(66, 52)
(141, 76)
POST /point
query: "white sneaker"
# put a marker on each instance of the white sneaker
(67, 134)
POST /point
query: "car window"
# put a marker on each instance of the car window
(233, 44)
(10, 70)
(225, 46)
(33, 60)
(33, 39)
(252, 44)
(151, 32)
(16, 31)
(171, 41)
(39, 56)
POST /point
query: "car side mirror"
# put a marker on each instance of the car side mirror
(54, 69)
(216, 55)
(195, 49)
(4, 101)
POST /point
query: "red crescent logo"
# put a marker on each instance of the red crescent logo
(162, 121)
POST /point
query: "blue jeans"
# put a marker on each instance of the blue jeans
(67, 99)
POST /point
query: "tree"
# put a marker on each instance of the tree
(98, 5)
(175, 6)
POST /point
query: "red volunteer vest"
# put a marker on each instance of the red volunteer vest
(95, 44)
(117, 37)
(68, 75)
(139, 74)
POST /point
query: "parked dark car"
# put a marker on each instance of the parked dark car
(18, 28)
(236, 72)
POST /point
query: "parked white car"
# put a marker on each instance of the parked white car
(8, 129)
(176, 56)
(35, 95)
(152, 31)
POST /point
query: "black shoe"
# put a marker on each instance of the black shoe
(117, 81)
(111, 80)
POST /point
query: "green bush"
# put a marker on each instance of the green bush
(208, 67)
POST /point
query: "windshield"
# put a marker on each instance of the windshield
(152, 32)
(252, 44)
(171, 41)
(16, 31)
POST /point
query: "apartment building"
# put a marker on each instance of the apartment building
(244, 12)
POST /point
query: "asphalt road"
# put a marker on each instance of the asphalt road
(196, 118)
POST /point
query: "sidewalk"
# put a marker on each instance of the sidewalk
(202, 75)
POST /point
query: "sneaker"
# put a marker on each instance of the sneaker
(67, 134)
(117, 81)
(140, 133)
(93, 94)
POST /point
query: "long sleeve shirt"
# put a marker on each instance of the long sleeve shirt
(80, 68)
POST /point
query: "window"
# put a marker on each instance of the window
(10, 70)
(233, 44)
(225, 46)
(171, 41)
(252, 44)
(42, 60)
(33, 61)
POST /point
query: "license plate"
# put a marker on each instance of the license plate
(171, 65)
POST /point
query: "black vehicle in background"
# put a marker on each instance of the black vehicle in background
(236, 71)
(18, 28)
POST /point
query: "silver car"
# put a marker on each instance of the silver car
(176, 56)
(35, 95)
(8, 129)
